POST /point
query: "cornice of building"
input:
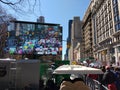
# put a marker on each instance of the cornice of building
(105, 46)
(116, 33)
(88, 11)
(96, 5)
(103, 41)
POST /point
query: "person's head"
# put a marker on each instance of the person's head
(107, 67)
(116, 69)
(103, 68)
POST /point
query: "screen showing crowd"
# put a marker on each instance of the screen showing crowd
(42, 39)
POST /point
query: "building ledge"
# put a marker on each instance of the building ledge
(115, 43)
(103, 41)
(116, 33)
(107, 46)
(97, 5)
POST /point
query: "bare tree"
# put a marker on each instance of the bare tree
(21, 5)
(4, 17)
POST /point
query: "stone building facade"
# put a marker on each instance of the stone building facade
(76, 36)
(106, 29)
(87, 33)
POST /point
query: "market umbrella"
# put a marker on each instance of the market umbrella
(76, 69)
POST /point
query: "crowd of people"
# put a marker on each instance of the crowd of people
(110, 77)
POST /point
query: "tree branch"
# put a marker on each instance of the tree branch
(10, 3)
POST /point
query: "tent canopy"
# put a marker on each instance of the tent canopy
(76, 69)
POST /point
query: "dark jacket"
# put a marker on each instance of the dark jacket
(108, 77)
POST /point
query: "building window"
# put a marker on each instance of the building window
(107, 27)
(103, 30)
(104, 36)
(109, 9)
(119, 49)
(117, 27)
(114, 2)
(117, 38)
(111, 31)
(111, 25)
(106, 20)
(107, 34)
(116, 18)
(115, 9)
(109, 3)
(110, 16)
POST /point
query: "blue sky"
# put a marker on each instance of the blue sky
(58, 11)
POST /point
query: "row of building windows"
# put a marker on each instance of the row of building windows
(117, 27)
(100, 22)
(118, 38)
(106, 7)
(107, 27)
(103, 36)
(108, 42)
(116, 15)
(116, 18)
(104, 24)
(114, 2)
(104, 17)
(115, 9)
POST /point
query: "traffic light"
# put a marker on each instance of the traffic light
(68, 45)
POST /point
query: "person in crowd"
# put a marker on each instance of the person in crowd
(41, 84)
(109, 79)
(50, 85)
(101, 75)
(78, 79)
(117, 75)
(93, 76)
(112, 68)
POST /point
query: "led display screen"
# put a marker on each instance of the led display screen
(34, 38)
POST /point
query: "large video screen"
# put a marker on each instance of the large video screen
(34, 38)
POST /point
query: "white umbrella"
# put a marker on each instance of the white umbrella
(76, 69)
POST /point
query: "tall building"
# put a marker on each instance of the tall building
(106, 29)
(87, 34)
(41, 19)
(75, 35)
(69, 40)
